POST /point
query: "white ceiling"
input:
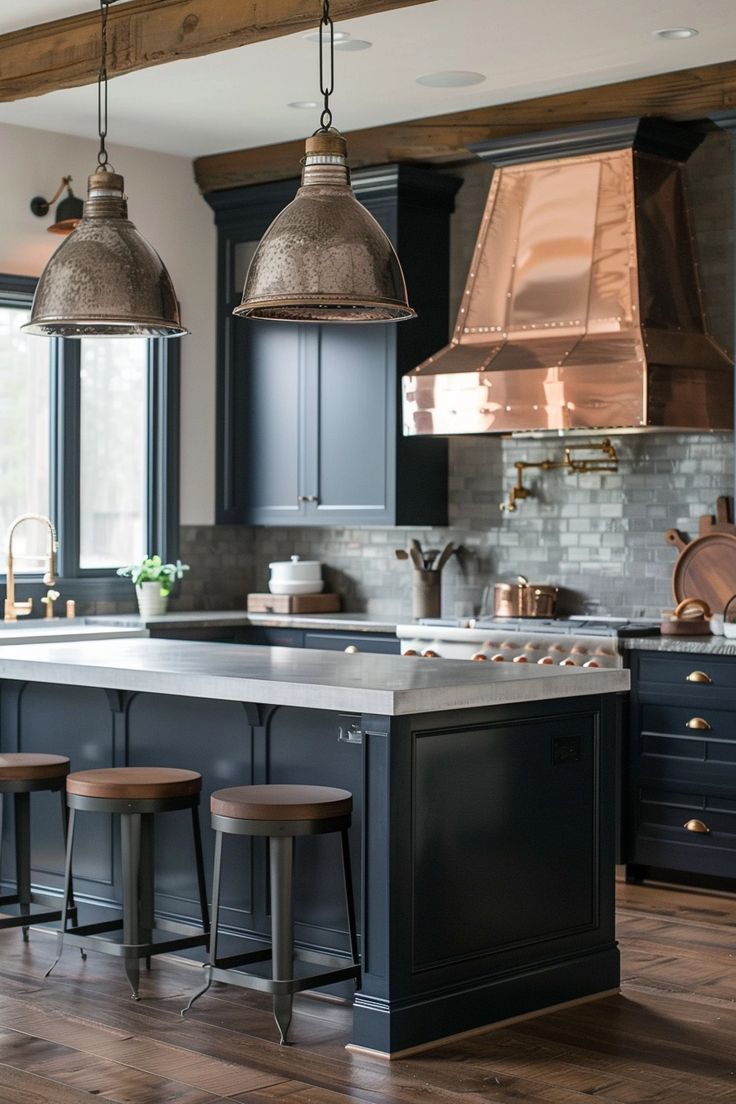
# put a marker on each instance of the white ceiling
(239, 98)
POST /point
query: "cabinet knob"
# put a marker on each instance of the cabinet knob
(699, 723)
(696, 826)
(699, 676)
(352, 650)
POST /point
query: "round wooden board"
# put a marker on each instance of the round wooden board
(707, 569)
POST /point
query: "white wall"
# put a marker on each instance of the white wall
(167, 208)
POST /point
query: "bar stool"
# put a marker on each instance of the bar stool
(281, 813)
(136, 794)
(23, 774)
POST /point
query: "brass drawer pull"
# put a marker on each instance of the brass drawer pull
(699, 676)
(696, 826)
(699, 723)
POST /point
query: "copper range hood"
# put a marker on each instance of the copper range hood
(582, 308)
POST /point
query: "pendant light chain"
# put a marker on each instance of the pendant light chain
(326, 86)
(102, 159)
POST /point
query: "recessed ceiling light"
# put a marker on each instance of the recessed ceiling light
(337, 36)
(305, 104)
(354, 44)
(451, 78)
(676, 32)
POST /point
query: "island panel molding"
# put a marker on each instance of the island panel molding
(64, 53)
(685, 94)
(528, 818)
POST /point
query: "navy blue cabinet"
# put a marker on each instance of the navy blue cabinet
(682, 768)
(309, 416)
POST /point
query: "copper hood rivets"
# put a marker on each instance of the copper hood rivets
(105, 280)
(324, 258)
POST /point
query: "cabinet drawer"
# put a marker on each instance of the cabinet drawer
(682, 731)
(694, 672)
(662, 840)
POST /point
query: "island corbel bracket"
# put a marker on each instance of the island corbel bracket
(608, 462)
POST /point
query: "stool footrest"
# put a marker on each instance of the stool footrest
(89, 935)
(283, 988)
(26, 919)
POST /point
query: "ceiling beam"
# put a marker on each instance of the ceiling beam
(688, 93)
(66, 52)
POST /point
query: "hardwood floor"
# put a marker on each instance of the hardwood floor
(669, 1037)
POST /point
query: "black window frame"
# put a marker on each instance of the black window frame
(162, 461)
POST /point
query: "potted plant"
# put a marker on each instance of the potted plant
(153, 581)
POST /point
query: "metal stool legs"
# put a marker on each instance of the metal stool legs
(281, 864)
(138, 923)
(25, 897)
(283, 984)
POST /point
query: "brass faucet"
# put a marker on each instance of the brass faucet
(13, 609)
(607, 463)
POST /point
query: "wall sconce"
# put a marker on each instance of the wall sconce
(68, 213)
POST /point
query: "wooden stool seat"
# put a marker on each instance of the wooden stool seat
(134, 783)
(31, 768)
(276, 802)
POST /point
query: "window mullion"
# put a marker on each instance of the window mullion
(66, 452)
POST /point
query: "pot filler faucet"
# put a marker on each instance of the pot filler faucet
(13, 609)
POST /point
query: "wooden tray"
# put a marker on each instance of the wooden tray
(293, 603)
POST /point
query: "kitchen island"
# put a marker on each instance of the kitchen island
(483, 833)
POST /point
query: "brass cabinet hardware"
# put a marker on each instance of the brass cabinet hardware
(699, 676)
(699, 723)
(696, 826)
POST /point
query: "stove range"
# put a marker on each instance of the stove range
(566, 642)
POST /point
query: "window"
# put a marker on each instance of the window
(88, 437)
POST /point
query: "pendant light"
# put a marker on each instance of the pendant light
(105, 280)
(324, 258)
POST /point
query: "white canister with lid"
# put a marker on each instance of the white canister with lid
(296, 576)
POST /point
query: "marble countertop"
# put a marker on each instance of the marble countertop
(362, 683)
(695, 645)
(40, 631)
(214, 619)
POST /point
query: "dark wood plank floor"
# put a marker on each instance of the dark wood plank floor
(669, 1038)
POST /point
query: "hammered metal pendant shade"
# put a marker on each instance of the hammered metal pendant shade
(105, 279)
(324, 258)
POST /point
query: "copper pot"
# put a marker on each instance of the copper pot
(524, 599)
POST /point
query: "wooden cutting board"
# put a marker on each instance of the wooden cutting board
(293, 603)
(706, 567)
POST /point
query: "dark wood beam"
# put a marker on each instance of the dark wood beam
(66, 52)
(688, 93)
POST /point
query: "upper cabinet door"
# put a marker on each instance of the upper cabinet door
(308, 417)
(348, 453)
(272, 437)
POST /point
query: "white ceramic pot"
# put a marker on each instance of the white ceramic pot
(151, 602)
(296, 576)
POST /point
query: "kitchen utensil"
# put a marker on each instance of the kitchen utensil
(445, 554)
(721, 523)
(296, 576)
(426, 594)
(524, 599)
(706, 567)
(691, 617)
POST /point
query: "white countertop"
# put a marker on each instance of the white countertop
(362, 683)
(40, 631)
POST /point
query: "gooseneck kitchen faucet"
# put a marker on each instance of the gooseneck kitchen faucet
(13, 609)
